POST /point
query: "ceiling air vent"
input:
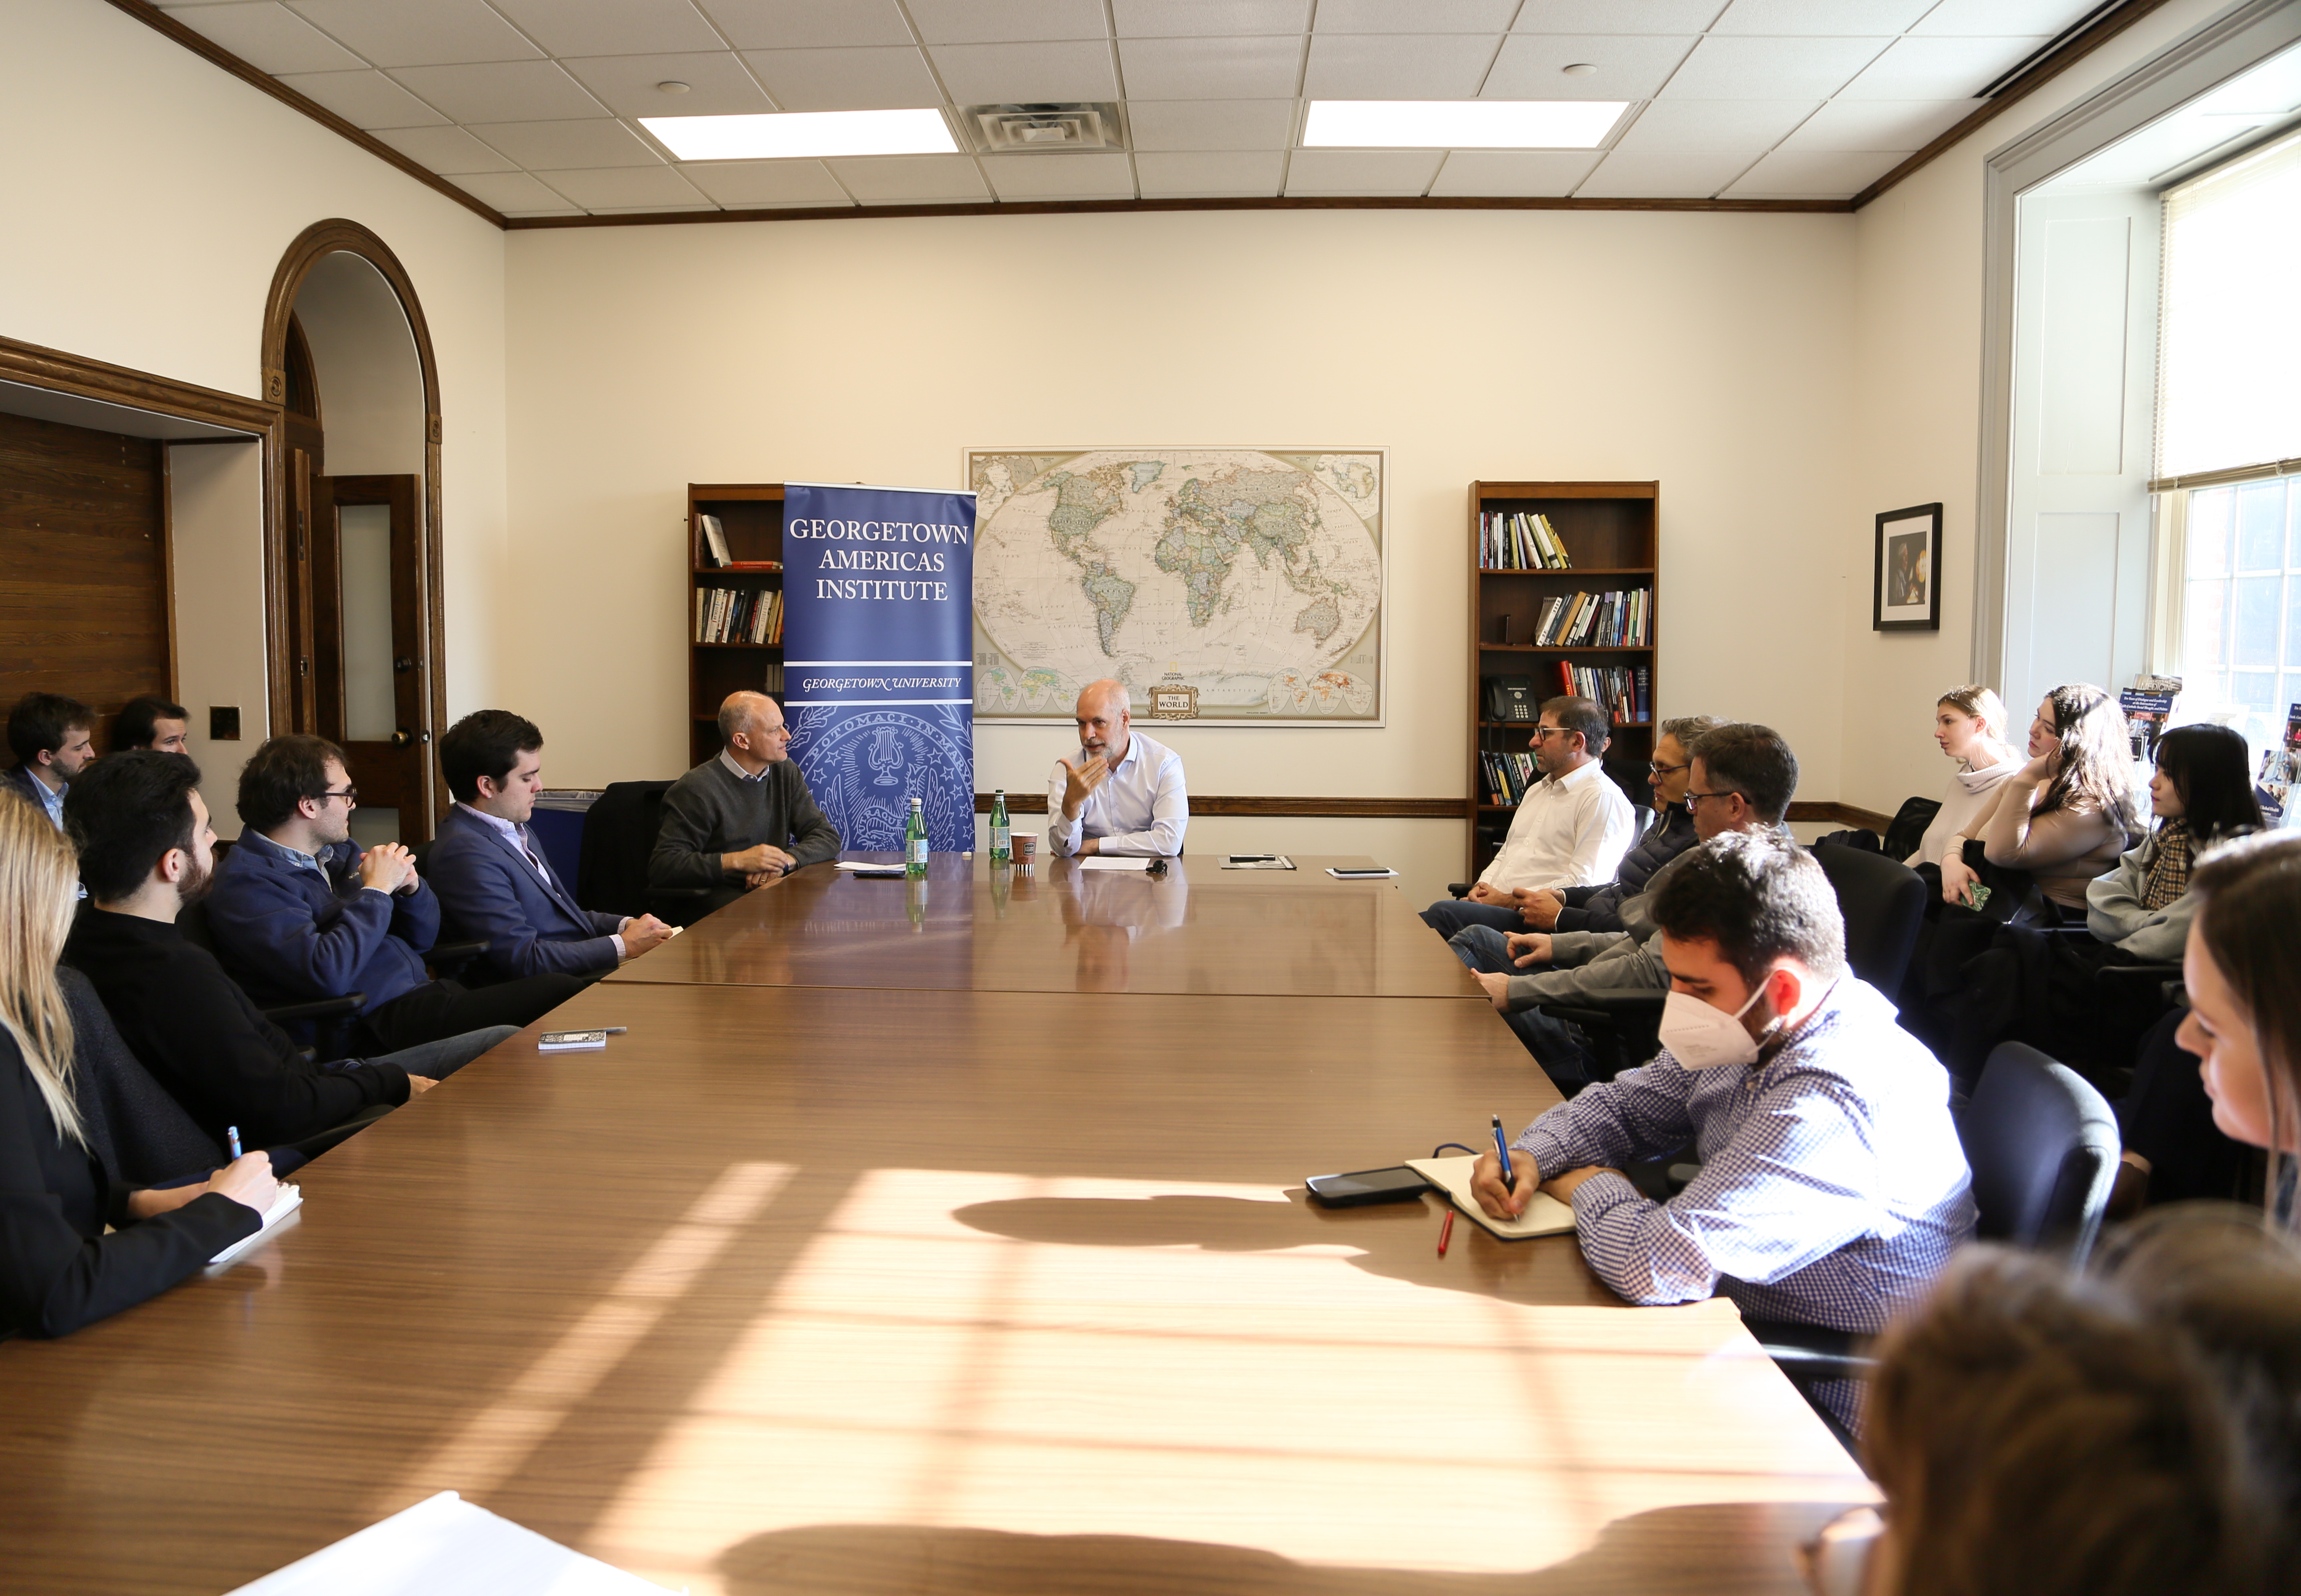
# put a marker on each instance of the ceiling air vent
(1021, 129)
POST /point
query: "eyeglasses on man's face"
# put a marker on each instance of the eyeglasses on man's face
(350, 795)
(1659, 769)
(1693, 798)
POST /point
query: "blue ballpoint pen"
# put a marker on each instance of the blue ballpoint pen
(231, 1138)
(1502, 1151)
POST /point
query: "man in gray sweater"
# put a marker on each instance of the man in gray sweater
(744, 818)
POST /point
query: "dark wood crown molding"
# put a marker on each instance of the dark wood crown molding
(55, 369)
(199, 45)
(2055, 61)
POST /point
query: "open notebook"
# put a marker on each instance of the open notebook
(1543, 1216)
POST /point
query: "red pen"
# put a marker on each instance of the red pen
(1445, 1232)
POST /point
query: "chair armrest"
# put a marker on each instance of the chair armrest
(324, 1008)
(1457, 889)
(449, 953)
(1813, 1351)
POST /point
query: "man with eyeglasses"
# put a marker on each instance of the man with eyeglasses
(1571, 830)
(301, 912)
(1740, 778)
(1668, 773)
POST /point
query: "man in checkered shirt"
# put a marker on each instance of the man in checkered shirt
(1833, 1186)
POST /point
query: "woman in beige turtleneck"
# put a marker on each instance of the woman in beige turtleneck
(2065, 815)
(1969, 727)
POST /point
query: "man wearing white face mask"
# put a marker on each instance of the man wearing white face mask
(1833, 1187)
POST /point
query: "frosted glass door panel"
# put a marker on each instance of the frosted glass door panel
(370, 711)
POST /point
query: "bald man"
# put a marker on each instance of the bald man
(1123, 793)
(745, 818)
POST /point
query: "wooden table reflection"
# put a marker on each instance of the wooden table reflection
(1056, 927)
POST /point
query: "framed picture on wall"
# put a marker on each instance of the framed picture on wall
(1908, 592)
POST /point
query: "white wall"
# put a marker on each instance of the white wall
(148, 197)
(1711, 352)
(215, 549)
(1917, 384)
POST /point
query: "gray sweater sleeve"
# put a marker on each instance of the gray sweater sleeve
(1624, 965)
(687, 847)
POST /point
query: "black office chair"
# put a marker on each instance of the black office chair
(1883, 902)
(1909, 827)
(618, 835)
(2043, 1146)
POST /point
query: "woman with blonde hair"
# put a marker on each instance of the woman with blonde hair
(58, 1268)
(2065, 817)
(1969, 727)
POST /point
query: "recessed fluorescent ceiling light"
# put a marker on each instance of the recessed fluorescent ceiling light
(786, 135)
(1463, 124)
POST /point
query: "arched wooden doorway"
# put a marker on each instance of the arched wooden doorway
(359, 298)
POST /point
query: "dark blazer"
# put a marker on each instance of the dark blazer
(27, 785)
(142, 1135)
(201, 1038)
(533, 923)
(1600, 908)
(58, 1270)
(289, 935)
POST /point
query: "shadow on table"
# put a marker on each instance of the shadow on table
(1396, 1241)
(1729, 1549)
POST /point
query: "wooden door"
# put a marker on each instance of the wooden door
(371, 690)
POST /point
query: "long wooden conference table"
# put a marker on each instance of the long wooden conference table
(951, 1246)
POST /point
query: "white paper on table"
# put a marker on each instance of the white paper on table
(445, 1546)
(284, 1203)
(1112, 862)
(867, 864)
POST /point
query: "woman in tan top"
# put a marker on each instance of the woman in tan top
(2065, 817)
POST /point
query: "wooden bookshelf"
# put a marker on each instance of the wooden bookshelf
(1612, 531)
(751, 514)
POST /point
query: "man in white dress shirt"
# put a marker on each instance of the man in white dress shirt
(1124, 794)
(1571, 830)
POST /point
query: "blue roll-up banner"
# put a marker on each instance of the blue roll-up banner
(878, 667)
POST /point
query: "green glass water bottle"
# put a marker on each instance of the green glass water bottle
(1002, 836)
(915, 841)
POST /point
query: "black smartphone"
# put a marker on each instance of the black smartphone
(1397, 1184)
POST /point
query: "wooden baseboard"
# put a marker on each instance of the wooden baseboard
(1850, 814)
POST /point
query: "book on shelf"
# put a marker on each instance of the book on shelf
(1622, 691)
(753, 565)
(1509, 777)
(715, 539)
(739, 616)
(1520, 540)
(1612, 620)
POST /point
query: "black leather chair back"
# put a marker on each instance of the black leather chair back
(1884, 903)
(618, 835)
(1909, 828)
(2043, 1146)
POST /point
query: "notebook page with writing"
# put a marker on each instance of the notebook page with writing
(1545, 1216)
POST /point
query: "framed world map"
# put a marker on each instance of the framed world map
(1223, 586)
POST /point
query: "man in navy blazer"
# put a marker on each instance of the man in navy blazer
(491, 874)
(299, 911)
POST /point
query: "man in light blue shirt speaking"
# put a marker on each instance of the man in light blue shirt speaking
(1124, 794)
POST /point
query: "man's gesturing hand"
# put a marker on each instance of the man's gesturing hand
(1079, 782)
(756, 860)
(387, 867)
(1529, 947)
(642, 933)
(1539, 908)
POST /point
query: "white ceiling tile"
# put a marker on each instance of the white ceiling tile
(1809, 18)
(611, 27)
(501, 91)
(910, 180)
(1076, 176)
(717, 84)
(1617, 16)
(807, 24)
(1210, 125)
(877, 77)
(1002, 74)
(1771, 69)
(1361, 172)
(1819, 174)
(268, 37)
(1626, 174)
(1749, 128)
(627, 188)
(1980, 18)
(1513, 174)
(539, 146)
(418, 32)
(562, 209)
(1375, 66)
(513, 193)
(1938, 69)
(450, 152)
(646, 210)
(1415, 16)
(366, 99)
(745, 183)
(1851, 124)
(1630, 67)
(1202, 19)
(1199, 173)
(1197, 68)
(1005, 22)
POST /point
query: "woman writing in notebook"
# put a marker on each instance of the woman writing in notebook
(59, 1269)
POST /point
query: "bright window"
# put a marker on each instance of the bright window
(2241, 609)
